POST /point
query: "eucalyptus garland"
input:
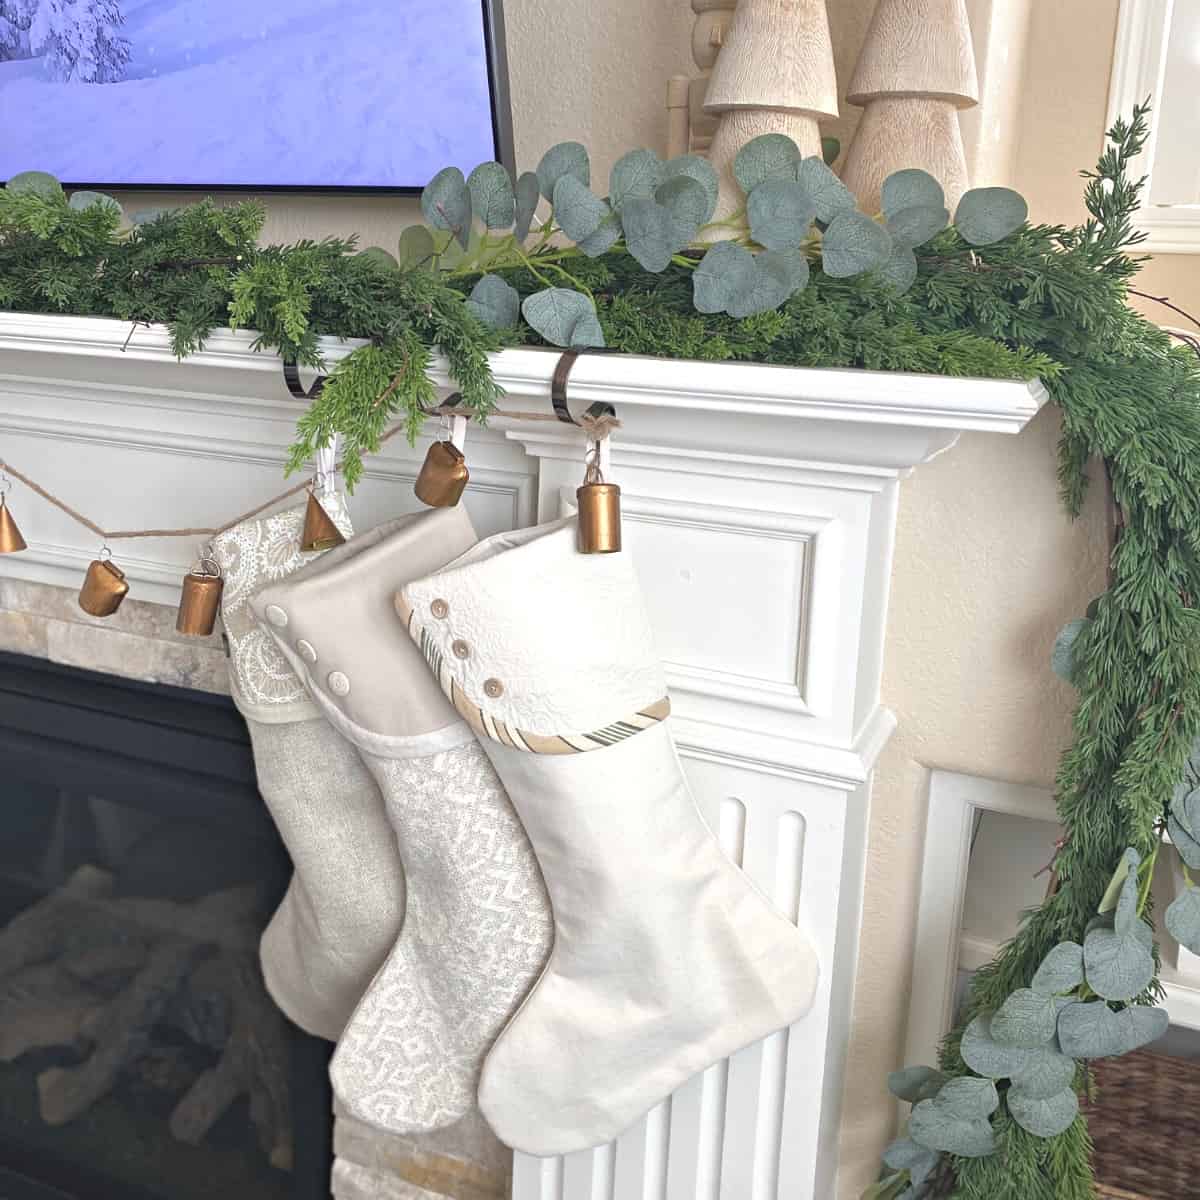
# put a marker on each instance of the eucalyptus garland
(796, 277)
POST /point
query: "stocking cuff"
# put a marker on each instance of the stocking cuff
(334, 622)
(540, 647)
(252, 555)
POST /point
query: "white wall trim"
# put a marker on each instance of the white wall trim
(1139, 65)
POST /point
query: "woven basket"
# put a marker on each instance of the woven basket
(1144, 1124)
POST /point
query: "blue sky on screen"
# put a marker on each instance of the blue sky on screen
(306, 93)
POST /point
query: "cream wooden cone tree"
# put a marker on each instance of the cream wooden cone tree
(774, 74)
(916, 70)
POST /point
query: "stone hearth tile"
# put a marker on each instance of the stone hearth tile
(23, 633)
(200, 665)
(137, 617)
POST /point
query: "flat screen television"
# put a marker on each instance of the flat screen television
(361, 95)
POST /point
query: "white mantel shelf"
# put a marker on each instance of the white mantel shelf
(759, 505)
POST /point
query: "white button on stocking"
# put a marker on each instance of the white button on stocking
(276, 616)
(307, 651)
(339, 684)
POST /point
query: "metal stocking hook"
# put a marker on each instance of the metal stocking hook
(291, 376)
(558, 391)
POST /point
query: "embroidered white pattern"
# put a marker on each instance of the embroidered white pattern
(251, 555)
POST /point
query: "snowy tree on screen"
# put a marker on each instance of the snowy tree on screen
(15, 19)
(79, 39)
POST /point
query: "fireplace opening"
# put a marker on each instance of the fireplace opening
(140, 1055)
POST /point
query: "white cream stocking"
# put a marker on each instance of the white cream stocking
(666, 958)
(477, 930)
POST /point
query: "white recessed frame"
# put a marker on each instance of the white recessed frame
(943, 945)
(1158, 56)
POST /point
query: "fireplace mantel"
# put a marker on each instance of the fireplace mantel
(760, 507)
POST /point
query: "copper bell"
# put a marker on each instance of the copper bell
(11, 540)
(320, 533)
(200, 599)
(104, 588)
(443, 477)
(599, 510)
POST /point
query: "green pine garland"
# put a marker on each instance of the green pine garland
(1047, 301)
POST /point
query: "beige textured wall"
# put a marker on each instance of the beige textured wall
(987, 565)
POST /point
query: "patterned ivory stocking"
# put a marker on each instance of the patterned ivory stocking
(666, 958)
(327, 939)
(477, 930)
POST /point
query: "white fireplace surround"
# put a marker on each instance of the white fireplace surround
(760, 507)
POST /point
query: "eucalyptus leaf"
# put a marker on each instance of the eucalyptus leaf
(495, 302)
(916, 225)
(1116, 884)
(831, 147)
(1061, 970)
(987, 215)
(1182, 919)
(906, 1155)
(567, 158)
(446, 203)
(492, 197)
(915, 1083)
(910, 188)
(1047, 1073)
(582, 215)
(1119, 962)
(1093, 1030)
(692, 166)
(528, 191)
(80, 201)
(828, 193)
(454, 253)
(853, 244)
(955, 1121)
(40, 183)
(725, 269)
(988, 1057)
(1062, 657)
(900, 270)
(563, 317)
(780, 214)
(1025, 1019)
(635, 176)
(768, 156)
(1183, 841)
(687, 202)
(1043, 1116)
(777, 274)
(379, 257)
(416, 246)
(651, 233)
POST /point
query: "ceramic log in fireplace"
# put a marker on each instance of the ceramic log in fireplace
(140, 1055)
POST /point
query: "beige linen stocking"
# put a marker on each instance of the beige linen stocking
(345, 904)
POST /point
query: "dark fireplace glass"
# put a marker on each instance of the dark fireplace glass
(140, 1055)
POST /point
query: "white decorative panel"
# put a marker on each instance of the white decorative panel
(727, 590)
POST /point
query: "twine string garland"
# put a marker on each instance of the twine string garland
(595, 426)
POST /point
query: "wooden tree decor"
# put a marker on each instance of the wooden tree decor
(916, 70)
(774, 75)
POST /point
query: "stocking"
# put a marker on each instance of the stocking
(477, 928)
(326, 940)
(666, 957)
